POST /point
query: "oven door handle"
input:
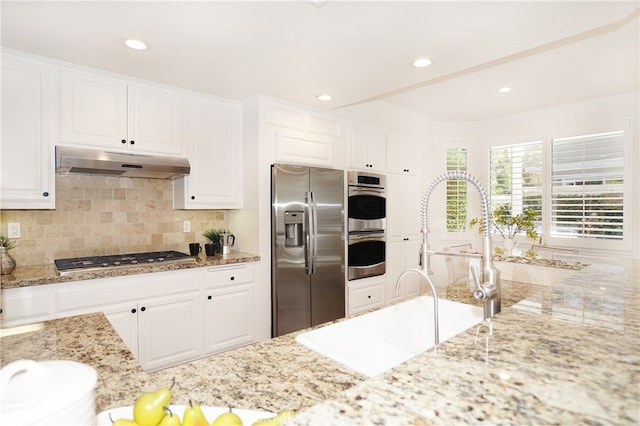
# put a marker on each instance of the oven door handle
(366, 190)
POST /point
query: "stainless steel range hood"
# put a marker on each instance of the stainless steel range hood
(97, 162)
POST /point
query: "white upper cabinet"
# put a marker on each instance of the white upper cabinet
(303, 137)
(405, 154)
(214, 149)
(111, 113)
(27, 178)
(368, 148)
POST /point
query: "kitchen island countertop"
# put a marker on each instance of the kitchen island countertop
(562, 353)
(27, 276)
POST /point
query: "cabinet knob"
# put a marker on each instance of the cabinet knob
(232, 278)
(0, 310)
(132, 142)
(123, 141)
(209, 297)
(193, 197)
(45, 194)
(133, 311)
(369, 297)
(143, 309)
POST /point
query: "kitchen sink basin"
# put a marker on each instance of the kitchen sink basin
(378, 341)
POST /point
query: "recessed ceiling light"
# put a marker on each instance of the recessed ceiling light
(324, 97)
(136, 44)
(505, 89)
(421, 62)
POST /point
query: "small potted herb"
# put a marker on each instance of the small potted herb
(8, 262)
(213, 246)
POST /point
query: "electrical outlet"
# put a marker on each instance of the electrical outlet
(186, 226)
(14, 230)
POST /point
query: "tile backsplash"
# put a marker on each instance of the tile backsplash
(98, 215)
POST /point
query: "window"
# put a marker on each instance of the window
(456, 191)
(579, 196)
(587, 191)
(515, 177)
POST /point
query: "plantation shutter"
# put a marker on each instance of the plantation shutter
(515, 177)
(587, 186)
(456, 191)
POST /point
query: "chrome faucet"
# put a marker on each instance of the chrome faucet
(487, 289)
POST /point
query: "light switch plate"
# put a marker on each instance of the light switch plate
(186, 226)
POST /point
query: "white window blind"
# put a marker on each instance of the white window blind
(456, 191)
(587, 191)
(515, 177)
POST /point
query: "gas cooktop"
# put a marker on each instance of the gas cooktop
(95, 263)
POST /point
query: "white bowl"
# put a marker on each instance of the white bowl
(248, 417)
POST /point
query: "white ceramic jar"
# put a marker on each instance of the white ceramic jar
(53, 392)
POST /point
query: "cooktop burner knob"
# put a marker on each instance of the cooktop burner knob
(116, 263)
(160, 259)
(149, 260)
(104, 265)
(134, 261)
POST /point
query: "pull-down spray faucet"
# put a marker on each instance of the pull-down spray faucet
(487, 290)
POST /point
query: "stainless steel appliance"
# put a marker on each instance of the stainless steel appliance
(96, 263)
(93, 161)
(367, 205)
(307, 229)
(367, 212)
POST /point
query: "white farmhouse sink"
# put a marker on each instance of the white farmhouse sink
(378, 341)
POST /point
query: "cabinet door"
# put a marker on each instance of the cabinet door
(215, 153)
(124, 319)
(404, 154)
(229, 317)
(403, 255)
(93, 110)
(169, 330)
(404, 204)
(26, 165)
(368, 148)
(156, 120)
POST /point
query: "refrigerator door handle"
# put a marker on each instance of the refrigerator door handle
(313, 232)
(307, 234)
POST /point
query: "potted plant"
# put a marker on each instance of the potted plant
(8, 262)
(508, 225)
(213, 235)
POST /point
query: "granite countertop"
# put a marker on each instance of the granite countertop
(560, 353)
(27, 276)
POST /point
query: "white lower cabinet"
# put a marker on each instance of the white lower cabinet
(164, 318)
(228, 308)
(366, 293)
(401, 256)
(161, 331)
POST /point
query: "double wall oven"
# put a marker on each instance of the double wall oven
(367, 222)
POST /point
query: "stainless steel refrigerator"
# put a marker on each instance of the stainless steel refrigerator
(307, 246)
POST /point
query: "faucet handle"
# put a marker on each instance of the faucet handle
(478, 291)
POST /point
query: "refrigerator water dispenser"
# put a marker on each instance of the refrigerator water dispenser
(293, 221)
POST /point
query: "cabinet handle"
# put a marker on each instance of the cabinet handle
(193, 197)
(0, 310)
(369, 297)
(132, 142)
(209, 297)
(233, 278)
(123, 141)
(45, 194)
(133, 311)
(143, 309)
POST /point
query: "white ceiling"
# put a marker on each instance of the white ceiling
(549, 52)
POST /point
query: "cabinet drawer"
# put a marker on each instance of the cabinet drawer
(368, 297)
(222, 276)
(26, 305)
